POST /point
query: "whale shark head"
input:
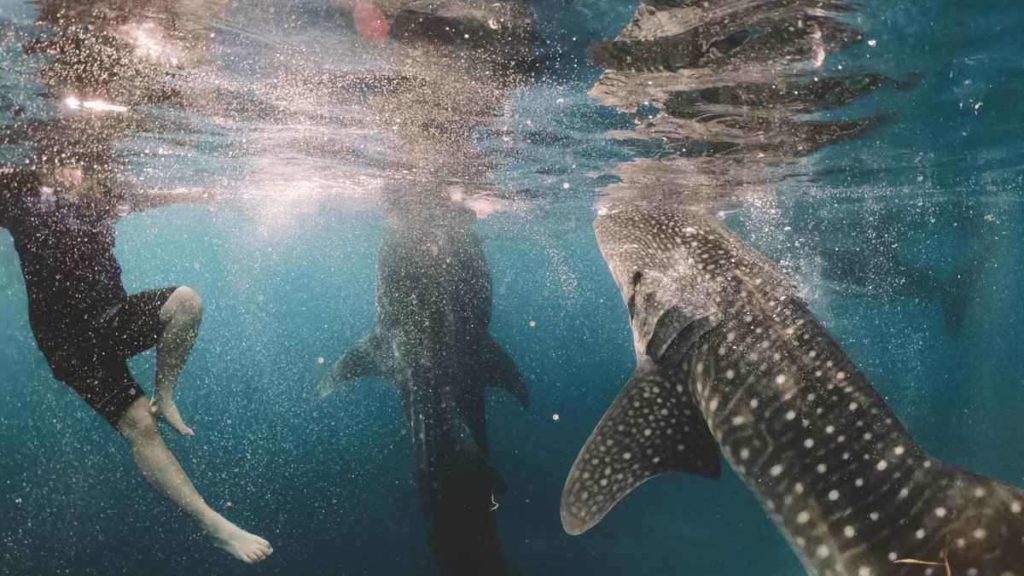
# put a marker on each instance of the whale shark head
(670, 266)
(651, 260)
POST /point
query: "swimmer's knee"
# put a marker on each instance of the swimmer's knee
(138, 423)
(190, 303)
(184, 303)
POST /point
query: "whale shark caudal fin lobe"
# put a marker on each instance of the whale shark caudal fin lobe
(498, 370)
(652, 427)
(370, 358)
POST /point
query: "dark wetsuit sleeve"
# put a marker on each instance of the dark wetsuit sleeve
(6, 193)
(14, 188)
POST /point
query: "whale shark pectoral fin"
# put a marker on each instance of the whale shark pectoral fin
(652, 427)
(369, 358)
(500, 371)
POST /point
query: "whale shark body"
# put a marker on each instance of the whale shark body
(432, 341)
(732, 362)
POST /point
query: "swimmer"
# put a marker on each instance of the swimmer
(87, 326)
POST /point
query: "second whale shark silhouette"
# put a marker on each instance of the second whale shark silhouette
(730, 360)
(447, 71)
(432, 340)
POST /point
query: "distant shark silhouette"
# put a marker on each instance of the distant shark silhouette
(432, 341)
(730, 359)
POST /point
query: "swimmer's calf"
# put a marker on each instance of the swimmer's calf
(162, 471)
(180, 317)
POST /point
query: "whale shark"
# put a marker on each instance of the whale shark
(731, 362)
(431, 340)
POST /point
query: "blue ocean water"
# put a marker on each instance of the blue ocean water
(936, 187)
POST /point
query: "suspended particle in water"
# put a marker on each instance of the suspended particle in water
(533, 323)
(565, 185)
(320, 360)
(555, 417)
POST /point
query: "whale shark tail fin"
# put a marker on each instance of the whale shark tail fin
(472, 469)
(464, 528)
(370, 358)
(652, 427)
(499, 370)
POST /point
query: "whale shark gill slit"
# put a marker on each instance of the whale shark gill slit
(650, 428)
(631, 304)
(675, 334)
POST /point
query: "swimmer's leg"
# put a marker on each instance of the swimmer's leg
(180, 317)
(161, 469)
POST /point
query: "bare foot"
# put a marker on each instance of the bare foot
(248, 548)
(168, 410)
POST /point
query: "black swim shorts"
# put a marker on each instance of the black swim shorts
(95, 362)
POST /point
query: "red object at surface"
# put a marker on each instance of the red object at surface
(371, 23)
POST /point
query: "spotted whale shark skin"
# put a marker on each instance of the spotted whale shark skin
(431, 340)
(732, 362)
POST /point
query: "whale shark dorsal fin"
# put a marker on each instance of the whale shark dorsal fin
(499, 371)
(370, 358)
(652, 427)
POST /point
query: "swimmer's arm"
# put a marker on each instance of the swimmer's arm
(7, 186)
(4, 204)
(149, 200)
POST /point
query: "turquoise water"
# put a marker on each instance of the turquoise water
(904, 242)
